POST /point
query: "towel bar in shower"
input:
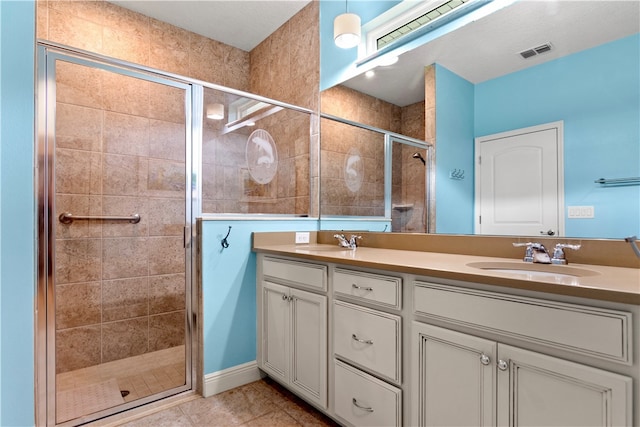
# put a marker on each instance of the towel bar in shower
(68, 218)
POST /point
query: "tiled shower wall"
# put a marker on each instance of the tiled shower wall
(278, 68)
(408, 183)
(119, 150)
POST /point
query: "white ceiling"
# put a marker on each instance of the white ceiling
(489, 48)
(239, 23)
(479, 51)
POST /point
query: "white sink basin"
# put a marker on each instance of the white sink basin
(534, 270)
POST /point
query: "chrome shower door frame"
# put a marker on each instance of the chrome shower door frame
(47, 55)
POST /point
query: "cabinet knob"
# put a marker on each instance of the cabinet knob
(355, 338)
(284, 297)
(503, 365)
(484, 359)
(357, 405)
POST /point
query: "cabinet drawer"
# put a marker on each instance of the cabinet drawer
(363, 400)
(368, 338)
(597, 332)
(296, 273)
(374, 288)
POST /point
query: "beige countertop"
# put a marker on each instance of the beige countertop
(617, 284)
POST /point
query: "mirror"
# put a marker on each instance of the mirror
(482, 85)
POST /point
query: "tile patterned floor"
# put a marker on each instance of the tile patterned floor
(261, 403)
(141, 376)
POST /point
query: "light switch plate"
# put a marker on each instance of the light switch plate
(302, 237)
(580, 212)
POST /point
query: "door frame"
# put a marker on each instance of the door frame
(44, 340)
(558, 126)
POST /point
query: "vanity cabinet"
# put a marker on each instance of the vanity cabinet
(367, 346)
(384, 348)
(293, 330)
(462, 379)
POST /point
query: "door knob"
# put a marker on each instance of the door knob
(549, 232)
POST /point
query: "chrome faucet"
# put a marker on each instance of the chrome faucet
(351, 243)
(632, 241)
(558, 253)
(535, 252)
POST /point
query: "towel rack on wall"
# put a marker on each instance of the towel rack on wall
(68, 218)
(618, 181)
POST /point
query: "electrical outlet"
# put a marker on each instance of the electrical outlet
(302, 237)
(580, 212)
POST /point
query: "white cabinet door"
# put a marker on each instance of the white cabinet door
(454, 378)
(275, 330)
(309, 345)
(539, 390)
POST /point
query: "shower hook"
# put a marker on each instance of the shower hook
(224, 242)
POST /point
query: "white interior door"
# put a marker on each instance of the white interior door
(519, 182)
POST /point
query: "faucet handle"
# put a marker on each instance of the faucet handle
(558, 252)
(528, 253)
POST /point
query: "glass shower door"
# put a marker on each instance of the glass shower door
(117, 202)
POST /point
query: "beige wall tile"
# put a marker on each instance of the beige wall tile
(167, 103)
(166, 293)
(126, 134)
(78, 85)
(166, 217)
(70, 314)
(121, 174)
(124, 338)
(77, 260)
(92, 10)
(77, 348)
(125, 298)
(165, 178)
(166, 330)
(124, 257)
(166, 255)
(73, 171)
(74, 31)
(125, 46)
(125, 94)
(167, 140)
(126, 21)
(78, 127)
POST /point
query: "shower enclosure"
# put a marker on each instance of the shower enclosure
(114, 224)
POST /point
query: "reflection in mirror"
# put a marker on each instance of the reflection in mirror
(482, 85)
(372, 174)
(351, 170)
(255, 156)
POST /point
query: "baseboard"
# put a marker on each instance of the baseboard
(229, 378)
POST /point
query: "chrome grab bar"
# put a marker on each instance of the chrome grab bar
(68, 218)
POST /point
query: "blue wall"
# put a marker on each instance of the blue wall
(454, 150)
(17, 278)
(597, 94)
(229, 289)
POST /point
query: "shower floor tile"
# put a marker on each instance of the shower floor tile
(140, 375)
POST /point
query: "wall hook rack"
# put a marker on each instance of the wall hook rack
(224, 242)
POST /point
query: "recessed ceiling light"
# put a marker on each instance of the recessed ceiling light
(370, 74)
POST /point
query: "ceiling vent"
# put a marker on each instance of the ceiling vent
(538, 50)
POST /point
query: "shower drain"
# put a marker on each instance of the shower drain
(124, 393)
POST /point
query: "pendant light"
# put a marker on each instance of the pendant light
(346, 29)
